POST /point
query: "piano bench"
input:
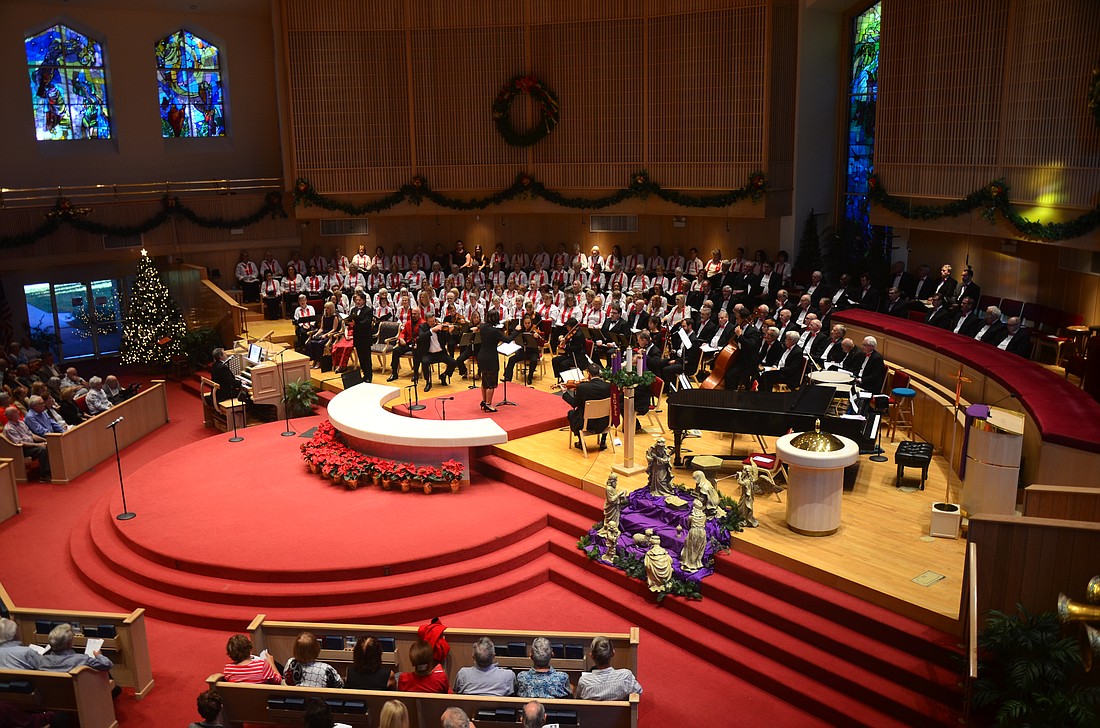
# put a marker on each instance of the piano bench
(914, 455)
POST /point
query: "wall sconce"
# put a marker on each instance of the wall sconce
(679, 222)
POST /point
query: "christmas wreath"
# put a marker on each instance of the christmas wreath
(544, 99)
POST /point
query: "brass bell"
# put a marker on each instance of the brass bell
(1071, 611)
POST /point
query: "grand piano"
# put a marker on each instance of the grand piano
(758, 413)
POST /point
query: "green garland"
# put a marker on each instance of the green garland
(623, 379)
(635, 569)
(64, 213)
(992, 199)
(544, 99)
(526, 186)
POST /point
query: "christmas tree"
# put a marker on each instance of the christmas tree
(153, 329)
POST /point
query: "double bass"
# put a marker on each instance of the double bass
(722, 362)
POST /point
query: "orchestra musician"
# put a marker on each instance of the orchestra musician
(430, 350)
(684, 353)
(573, 355)
(614, 325)
(405, 343)
(362, 318)
(530, 354)
(788, 368)
(741, 372)
(592, 389)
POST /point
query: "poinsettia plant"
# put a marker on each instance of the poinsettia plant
(452, 470)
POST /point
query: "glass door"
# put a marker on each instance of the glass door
(81, 319)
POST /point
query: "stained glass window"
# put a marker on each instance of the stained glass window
(68, 85)
(862, 95)
(189, 81)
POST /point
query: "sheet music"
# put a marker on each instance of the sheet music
(508, 348)
(685, 338)
(707, 348)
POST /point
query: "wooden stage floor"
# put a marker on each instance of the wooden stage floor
(882, 544)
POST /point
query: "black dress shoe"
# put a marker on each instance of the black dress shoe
(490, 408)
(391, 378)
(443, 380)
(484, 406)
(428, 387)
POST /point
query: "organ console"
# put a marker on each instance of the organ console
(263, 367)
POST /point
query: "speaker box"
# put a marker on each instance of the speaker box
(350, 379)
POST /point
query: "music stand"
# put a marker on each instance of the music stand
(880, 404)
(506, 401)
(471, 339)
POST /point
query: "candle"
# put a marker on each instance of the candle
(641, 362)
(617, 363)
(629, 363)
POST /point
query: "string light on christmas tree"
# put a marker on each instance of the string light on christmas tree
(153, 329)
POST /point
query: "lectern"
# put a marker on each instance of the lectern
(994, 443)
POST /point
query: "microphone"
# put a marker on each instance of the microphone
(120, 419)
(446, 399)
(989, 407)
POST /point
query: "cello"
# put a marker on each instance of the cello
(722, 362)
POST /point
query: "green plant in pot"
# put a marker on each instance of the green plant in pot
(300, 398)
(1030, 674)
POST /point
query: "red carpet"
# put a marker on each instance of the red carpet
(535, 411)
(764, 646)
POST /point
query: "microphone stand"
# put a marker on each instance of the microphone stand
(444, 400)
(415, 406)
(233, 415)
(126, 514)
(282, 381)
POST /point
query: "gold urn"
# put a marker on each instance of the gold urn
(817, 441)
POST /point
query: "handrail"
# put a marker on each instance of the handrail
(971, 628)
(29, 196)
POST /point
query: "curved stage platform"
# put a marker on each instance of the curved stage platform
(209, 548)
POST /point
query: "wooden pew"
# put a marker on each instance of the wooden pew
(83, 691)
(84, 446)
(9, 493)
(128, 649)
(265, 704)
(278, 639)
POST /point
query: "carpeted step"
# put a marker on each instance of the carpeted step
(632, 601)
(402, 609)
(542, 486)
(805, 620)
(101, 540)
(853, 613)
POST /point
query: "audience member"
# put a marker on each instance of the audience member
(61, 657)
(605, 682)
(68, 409)
(14, 655)
(73, 379)
(1017, 339)
(209, 705)
(485, 677)
(394, 714)
(534, 716)
(247, 668)
(318, 715)
(455, 718)
(367, 671)
(542, 680)
(33, 445)
(305, 671)
(428, 676)
(39, 420)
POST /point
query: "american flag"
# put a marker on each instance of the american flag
(5, 318)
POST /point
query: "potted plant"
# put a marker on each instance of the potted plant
(1030, 674)
(299, 397)
(452, 473)
(385, 470)
(403, 473)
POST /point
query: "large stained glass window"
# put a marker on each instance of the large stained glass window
(862, 96)
(68, 85)
(189, 81)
